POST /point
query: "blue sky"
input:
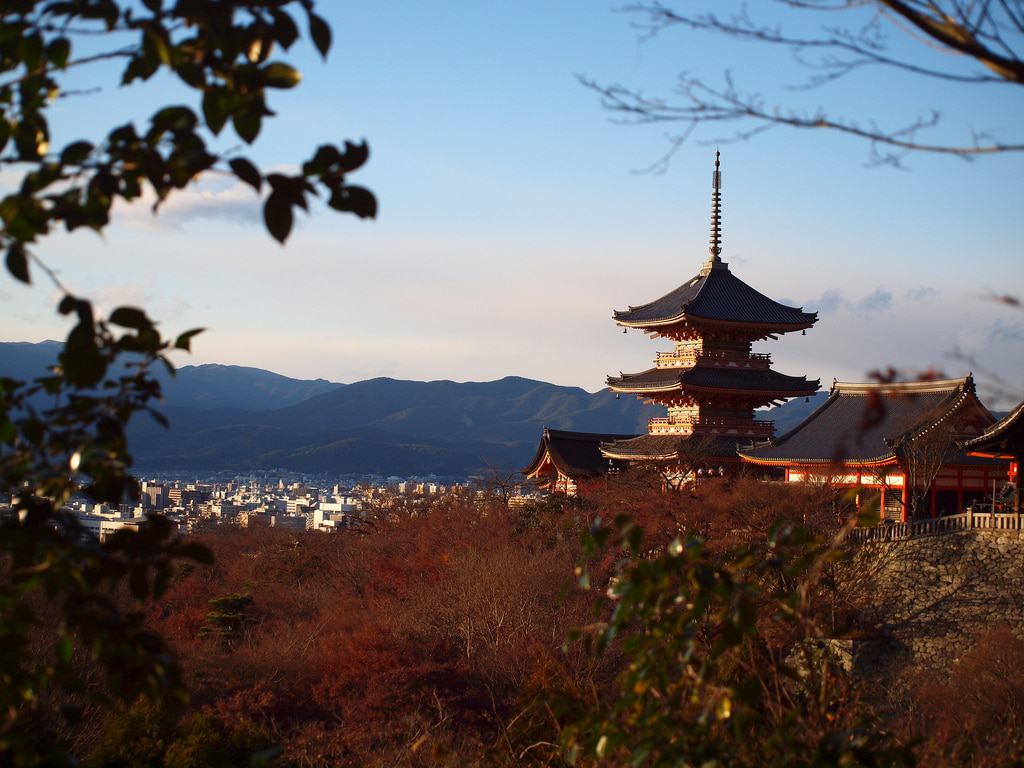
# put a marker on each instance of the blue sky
(512, 220)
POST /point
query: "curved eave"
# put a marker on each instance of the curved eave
(1001, 455)
(638, 389)
(639, 457)
(684, 317)
(771, 394)
(787, 462)
(995, 433)
(542, 456)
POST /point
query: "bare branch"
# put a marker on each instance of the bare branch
(991, 33)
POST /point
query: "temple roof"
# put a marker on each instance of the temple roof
(1004, 439)
(864, 423)
(716, 295)
(670, 447)
(761, 380)
(574, 454)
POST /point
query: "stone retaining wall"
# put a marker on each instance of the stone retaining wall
(934, 596)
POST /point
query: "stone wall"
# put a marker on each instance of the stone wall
(932, 597)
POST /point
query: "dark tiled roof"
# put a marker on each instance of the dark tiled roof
(710, 377)
(670, 447)
(718, 295)
(1005, 437)
(859, 423)
(575, 454)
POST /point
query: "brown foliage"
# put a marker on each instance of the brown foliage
(976, 716)
(420, 638)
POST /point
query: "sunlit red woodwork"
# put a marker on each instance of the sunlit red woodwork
(1004, 440)
(897, 444)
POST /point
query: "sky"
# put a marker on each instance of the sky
(514, 219)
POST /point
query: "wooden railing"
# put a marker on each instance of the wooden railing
(966, 521)
(748, 427)
(715, 356)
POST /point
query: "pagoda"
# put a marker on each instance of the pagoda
(711, 382)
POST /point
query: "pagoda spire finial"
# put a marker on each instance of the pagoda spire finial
(715, 247)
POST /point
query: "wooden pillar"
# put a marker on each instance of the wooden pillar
(1018, 457)
(960, 490)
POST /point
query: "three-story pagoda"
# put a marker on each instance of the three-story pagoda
(711, 382)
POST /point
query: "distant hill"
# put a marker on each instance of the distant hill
(226, 417)
(194, 386)
(388, 426)
(232, 417)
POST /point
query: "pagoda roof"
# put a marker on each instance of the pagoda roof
(670, 447)
(864, 424)
(714, 378)
(1004, 439)
(574, 454)
(716, 295)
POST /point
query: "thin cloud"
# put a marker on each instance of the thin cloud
(830, 301)
(922, 293)
(235, 202)
(876, 301)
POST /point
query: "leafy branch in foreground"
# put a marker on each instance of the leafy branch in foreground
(222, 51)
(61, 435)
(989, 34)
(724, 661)
(65, 433)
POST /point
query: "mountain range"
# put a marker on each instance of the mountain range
(226, 417)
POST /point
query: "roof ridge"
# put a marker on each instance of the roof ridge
(909, 387)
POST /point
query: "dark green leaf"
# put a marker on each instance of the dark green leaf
(353, 199)
(17, 262)
(58, 51)
(281, 75)
(355, 156)
(247, 172)
(247, 125)
(76, 152)
(215, 109)
(184, 341)
(277, 215)
(321, 34)
(130, 317)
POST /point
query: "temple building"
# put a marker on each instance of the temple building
(898, 444)
(1003, 440)
(565, 460)
(711, 382)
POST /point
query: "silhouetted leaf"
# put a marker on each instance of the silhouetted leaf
(247, 172)
(130, 317)
(17, 262)
(58, 51)
(75, 152)
(247, 125)
(184, 340)
(215, 109)
(354, 199)
(277, 214)
(321, 34)
(355, 155)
